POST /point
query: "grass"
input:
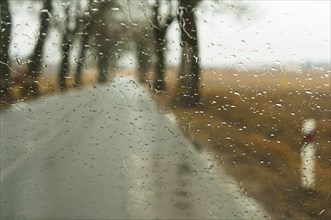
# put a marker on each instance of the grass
(252, 122)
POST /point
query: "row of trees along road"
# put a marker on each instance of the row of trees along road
(105, 29)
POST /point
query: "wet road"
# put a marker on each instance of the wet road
(109, 152)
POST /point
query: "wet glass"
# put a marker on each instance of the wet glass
(165, 109)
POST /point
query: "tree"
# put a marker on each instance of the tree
(86, 30)
(188, 88)
(160, 31)
(6, 27)
(102, 42)
(105, 34)
(31, 87)
(187, 91)
(143, 51)
(67, 38)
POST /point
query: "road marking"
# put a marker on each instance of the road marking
(13, 166)
(138, 185)
(19, 106)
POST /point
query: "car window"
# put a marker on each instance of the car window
(165, 109)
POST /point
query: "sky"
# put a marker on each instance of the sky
(274, 32)
(278, 31)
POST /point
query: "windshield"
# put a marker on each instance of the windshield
(165, 109)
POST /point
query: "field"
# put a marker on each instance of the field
(251, 122)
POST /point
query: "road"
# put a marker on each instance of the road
(109, 152)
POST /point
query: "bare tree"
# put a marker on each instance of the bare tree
(85, 23)
(188, 88)
(187, 92)
(144, 51)
(102, 41)
(67, 38)
(105, 34)
(6, 27)
(31, 87)
(160, 31)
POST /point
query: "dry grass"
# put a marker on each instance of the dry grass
(252, 122)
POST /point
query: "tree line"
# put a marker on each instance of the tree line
(106, 28)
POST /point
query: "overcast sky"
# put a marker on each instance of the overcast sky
(278, 31)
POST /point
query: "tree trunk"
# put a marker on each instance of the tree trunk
(187, 91)
(103, 64)
(64, 66)
(102, 43)
(103, 59)
(160, 34)
(5, 26)
(143, 58)
(82, 54)
(65, 46)
(83, 46)
(160, 31)
(34, 66)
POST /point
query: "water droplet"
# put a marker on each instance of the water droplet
(133, 83)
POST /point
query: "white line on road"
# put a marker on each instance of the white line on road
(18, 163)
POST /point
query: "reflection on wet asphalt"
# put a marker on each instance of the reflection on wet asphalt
(107, 152)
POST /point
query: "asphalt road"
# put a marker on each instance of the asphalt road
(109, 152)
